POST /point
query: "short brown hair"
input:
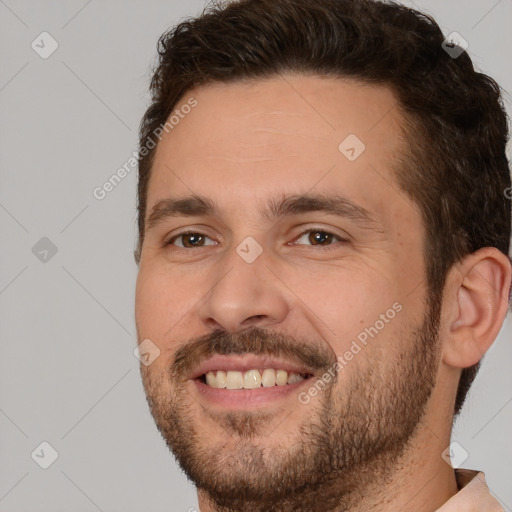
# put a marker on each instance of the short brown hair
(456, 168)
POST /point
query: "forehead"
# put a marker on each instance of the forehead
(289, 134)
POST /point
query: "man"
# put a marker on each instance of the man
(323, 254)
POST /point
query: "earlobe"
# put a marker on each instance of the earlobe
(477, 295)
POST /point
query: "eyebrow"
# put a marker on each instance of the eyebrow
(196, 206)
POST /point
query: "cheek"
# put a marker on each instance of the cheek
(158, 304)
(147, 299)
(155, 316)
(343, 302)
(166, 302)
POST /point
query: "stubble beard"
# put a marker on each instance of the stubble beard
(349, 441)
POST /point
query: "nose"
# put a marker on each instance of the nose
(243, 295)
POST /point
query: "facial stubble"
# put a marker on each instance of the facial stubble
(349, 439)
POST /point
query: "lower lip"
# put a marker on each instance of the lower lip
(246, 398)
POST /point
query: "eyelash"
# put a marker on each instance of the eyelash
(311, 230)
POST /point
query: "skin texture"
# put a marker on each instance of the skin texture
(373, 438)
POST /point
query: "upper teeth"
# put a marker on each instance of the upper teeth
(251, 379)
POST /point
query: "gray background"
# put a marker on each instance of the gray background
(67, 372)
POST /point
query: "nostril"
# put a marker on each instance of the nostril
(252, 318)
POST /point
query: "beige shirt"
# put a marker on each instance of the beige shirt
(473, 495)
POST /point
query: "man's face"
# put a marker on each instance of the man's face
(325, 306)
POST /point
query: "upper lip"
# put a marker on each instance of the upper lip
(245, 362)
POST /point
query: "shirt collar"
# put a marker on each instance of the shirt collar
(473, 495)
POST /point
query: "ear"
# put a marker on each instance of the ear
(475, 302)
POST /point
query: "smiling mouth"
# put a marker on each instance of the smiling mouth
(252, 379)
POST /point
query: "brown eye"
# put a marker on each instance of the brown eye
(193, 240)
(320, 237)
(190, 240)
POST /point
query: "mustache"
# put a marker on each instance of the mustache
(251, 341)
